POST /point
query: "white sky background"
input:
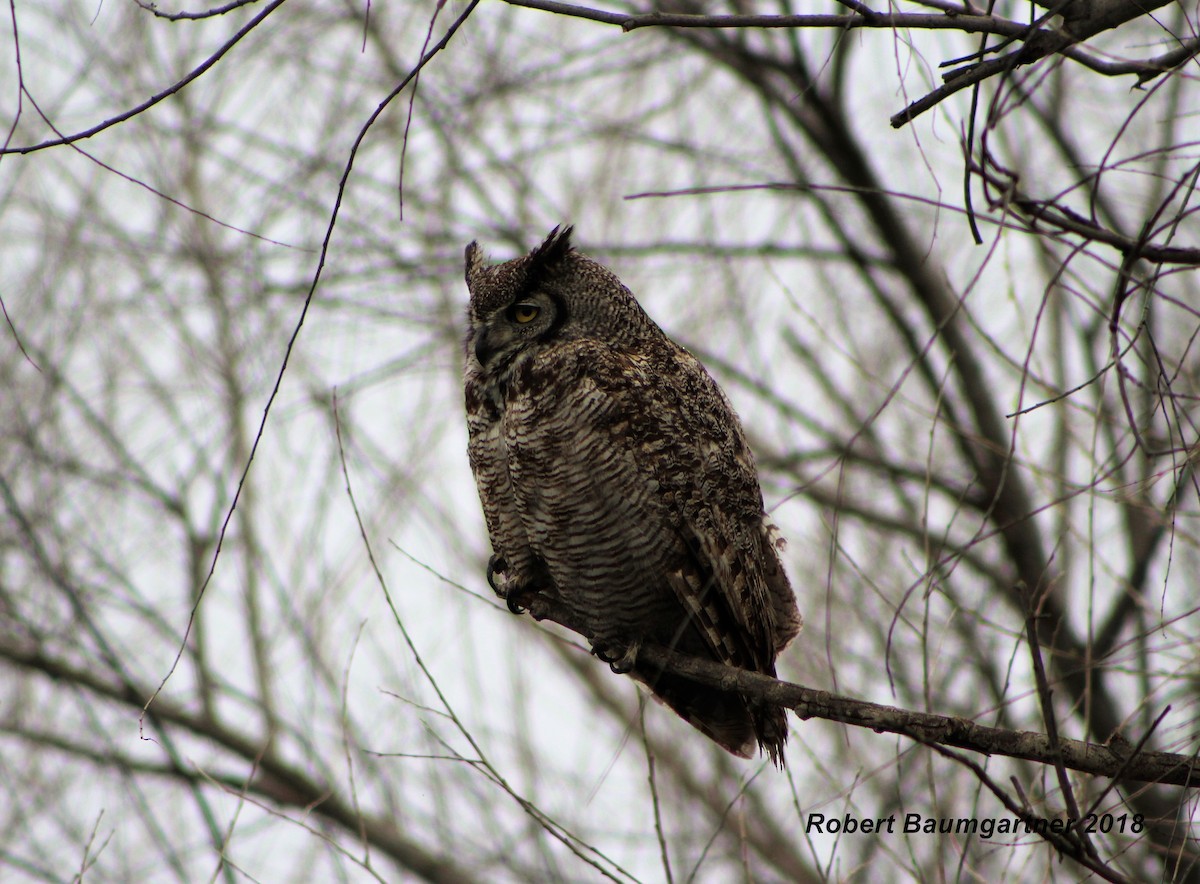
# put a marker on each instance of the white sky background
(158, 320)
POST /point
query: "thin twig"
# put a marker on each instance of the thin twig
(308, 299)
(572, 842)
(194, 74)
(153, 9)
(658, 827)
(1046, 699)
(1066, 846)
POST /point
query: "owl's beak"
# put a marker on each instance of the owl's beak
(482, 351)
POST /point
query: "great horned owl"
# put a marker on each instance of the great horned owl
(616, 480)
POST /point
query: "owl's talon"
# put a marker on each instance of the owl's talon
(518, 598)
(620, 664)
(495, 564)
(521, 600)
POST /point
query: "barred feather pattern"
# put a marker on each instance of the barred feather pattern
(615, 477)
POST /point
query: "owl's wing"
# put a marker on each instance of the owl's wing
(734, 584)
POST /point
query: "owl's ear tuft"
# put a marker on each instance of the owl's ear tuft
(474, 263)
(556, 247)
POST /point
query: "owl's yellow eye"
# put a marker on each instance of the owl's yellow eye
(523, 314)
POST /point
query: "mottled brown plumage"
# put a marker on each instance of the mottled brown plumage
(615, 479)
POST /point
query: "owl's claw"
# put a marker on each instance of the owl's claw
(524, 598)
(518, 599)
(622, 663)
(495, 563)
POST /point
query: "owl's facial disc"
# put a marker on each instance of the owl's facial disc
(509, 330)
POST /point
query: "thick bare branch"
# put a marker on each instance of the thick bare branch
(1107, 760)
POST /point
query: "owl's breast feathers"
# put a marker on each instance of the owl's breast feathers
(635, 485)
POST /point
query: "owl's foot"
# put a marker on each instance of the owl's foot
(495, 565)
(518, 598)
(520, 601)
(620, 659)
(538, 605)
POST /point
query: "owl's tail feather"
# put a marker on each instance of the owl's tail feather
(730, 720)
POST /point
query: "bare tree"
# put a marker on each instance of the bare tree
(243, 616)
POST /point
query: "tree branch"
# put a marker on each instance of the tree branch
(970, 24)
(961, 733)
(1080, 21)
(194, 74)
(274, 778)
(1039, 216)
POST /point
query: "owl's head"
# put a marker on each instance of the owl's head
(553, 293)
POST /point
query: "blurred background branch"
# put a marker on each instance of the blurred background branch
(964, 353)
